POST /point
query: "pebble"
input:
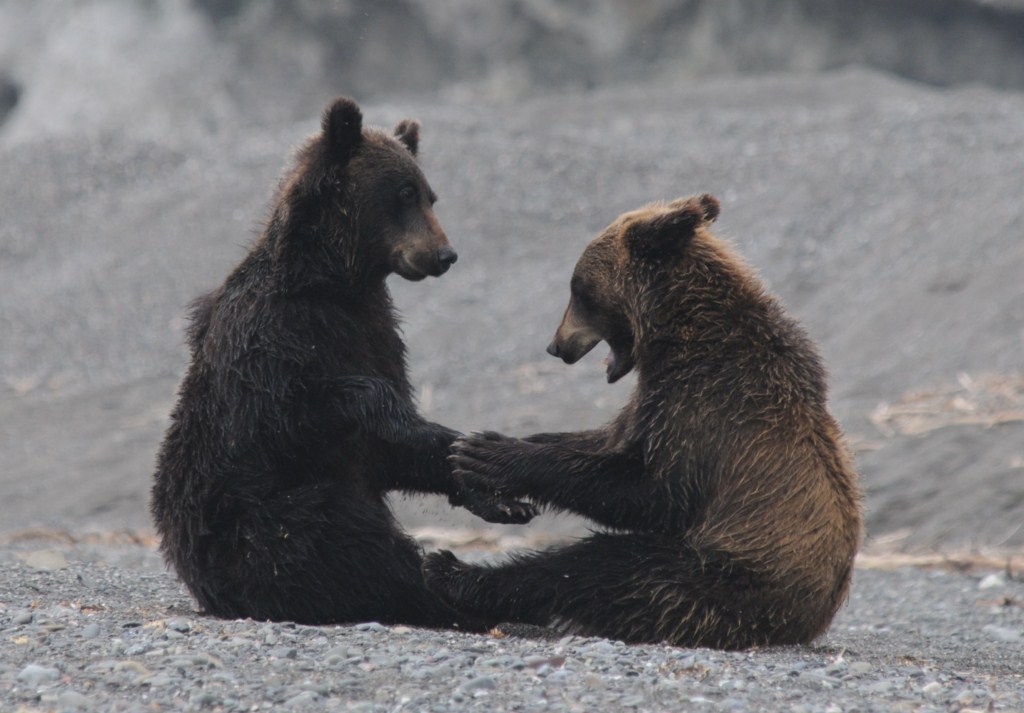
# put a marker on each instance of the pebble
(880, 687)
(965, 698)
(24, 617)
(242, 665)
(180, 625)
(1002, 633)
(990, 581)
(45, 560)
(34, 674)
(204, 699)
(73, 700)
(301, 699)
(156, 680)
(480, 683)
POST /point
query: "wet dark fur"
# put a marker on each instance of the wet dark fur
(732, 507)
(296, 417)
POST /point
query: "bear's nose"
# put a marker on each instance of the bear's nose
(446, 257)
(553, 350)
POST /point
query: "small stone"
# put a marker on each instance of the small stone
(302, 698)
(991, 581)
(73, 700)
(45, 560)
(481, 683)
(599, 647)
(401, 630)
(370, 626)
(860, 667)
(90, 631)
(204, 699)
(559, 676)
(883, 687)
(931, 688)
(157, 680)
(178, 624)
(1002, 633)
(836, 668)
(34, 674)
(24, 617)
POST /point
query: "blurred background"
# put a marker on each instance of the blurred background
(869, 156)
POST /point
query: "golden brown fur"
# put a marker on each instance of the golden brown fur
(731, 499)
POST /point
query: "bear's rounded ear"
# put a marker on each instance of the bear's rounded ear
(659, 233)
(708, 205)
(343, 127)
(712, 207)
(408, 132)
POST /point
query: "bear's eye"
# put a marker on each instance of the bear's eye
(576, 286)
(580, 293)
(407, 194)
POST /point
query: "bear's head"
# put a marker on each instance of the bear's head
(358, 203)
(627, 259)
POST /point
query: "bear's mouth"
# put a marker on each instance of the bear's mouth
(618, 363)
(406, 270)
(410, 270)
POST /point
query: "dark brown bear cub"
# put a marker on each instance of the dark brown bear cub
(296, 417)
(732, 505)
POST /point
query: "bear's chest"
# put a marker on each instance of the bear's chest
(360, 342)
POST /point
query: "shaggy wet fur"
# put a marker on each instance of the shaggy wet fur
(731, 504)
(296, 417)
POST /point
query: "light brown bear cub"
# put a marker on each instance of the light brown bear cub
(732, 506)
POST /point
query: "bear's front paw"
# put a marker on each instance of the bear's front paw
(489, 462)
(441, 571)
(494, 508)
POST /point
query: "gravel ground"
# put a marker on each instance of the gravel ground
(886, 213)
(102, 627)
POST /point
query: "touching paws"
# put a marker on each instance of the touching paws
(482, 463)
(488, 461)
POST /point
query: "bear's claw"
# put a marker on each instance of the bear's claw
(495, 509)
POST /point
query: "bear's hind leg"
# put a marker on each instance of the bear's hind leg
(512, 592)
(639, 588)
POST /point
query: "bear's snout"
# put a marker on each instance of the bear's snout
(446, 257)
(553, 349)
